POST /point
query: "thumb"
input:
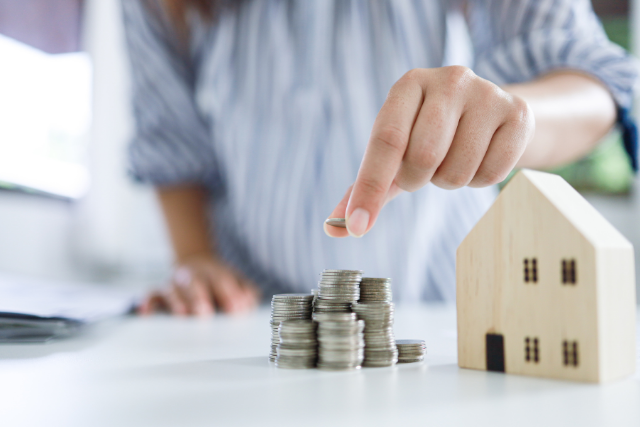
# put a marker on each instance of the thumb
(339, 212)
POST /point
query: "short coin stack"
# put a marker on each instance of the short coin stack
(287, 307)
(337, 291)
(411, 350)
(340, 341)
(298, 348)
(380, 344)
(375, 290)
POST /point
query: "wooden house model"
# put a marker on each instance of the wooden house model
(546, 287)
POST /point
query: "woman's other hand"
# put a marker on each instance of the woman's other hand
(201, 285)
(444, 125)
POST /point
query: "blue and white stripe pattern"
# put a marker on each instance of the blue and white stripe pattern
(272, 106)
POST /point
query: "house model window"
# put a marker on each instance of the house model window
(531, 270)
(568, 271)
(570, 353)
(531, 350)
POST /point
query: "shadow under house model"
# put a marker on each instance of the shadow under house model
(545, 287)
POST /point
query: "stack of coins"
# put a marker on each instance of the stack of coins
(380, 344)
(287, 307)
(298, 347)
(375, 290)
(411, 350)
(340, 341)
(337, 290)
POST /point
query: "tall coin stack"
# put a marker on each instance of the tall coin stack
(337, 291)
(287, 307)
(411, 351)
(340, 341)
(380, 344)
(298, 348)
(373, 289)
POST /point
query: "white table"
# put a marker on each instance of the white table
(163, 371)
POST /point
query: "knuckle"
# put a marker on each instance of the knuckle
(521, 112)
(489, 92)
(393, 138)
(451, 179)
(485, 178)
(413, 75)
(373, 187)
(410, 178)
(423, 161)
(458, 77)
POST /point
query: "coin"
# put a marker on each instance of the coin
(352, 325)
(337, 290)
(288, 307)
(374, 289)
(336, 222)
(411, 350)
(297, 344)
(380, 346)
(340, 341)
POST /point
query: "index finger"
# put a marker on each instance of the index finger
(384, 153)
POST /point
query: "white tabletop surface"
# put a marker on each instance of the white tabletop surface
(163, 371)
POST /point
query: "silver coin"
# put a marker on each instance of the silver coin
(376, 306)
(298, 325)
(292, 296)
(292, 313)
(320, 317)
(411, 342)
(340, 338)
(410, 351)
(336, 222)
(327, 270)
(337, 302)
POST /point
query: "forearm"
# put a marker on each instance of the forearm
(185, 212)
(572, 113)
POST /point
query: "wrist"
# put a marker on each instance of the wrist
(195, 256)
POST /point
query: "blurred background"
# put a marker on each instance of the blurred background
(68, 210)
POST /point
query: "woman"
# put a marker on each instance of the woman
(253, 117)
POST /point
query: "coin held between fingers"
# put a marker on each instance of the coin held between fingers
(336, 222)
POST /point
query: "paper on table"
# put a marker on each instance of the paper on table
(36, 311)
(83, 303)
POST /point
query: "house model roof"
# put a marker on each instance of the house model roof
(584, 217)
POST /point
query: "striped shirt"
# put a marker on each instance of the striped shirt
(271, 107)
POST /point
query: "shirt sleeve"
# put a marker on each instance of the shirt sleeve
(517, 40)
(172, 143)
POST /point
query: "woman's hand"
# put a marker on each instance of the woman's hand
(201, 284)
(443, 125)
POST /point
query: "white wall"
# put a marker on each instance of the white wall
(34, 236)
(115, 233)
(119, 228)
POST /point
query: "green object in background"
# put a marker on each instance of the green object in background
(606, 169)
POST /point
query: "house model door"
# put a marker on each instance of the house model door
(495, 352)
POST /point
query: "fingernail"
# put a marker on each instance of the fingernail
(358, 222)
(324, 227)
